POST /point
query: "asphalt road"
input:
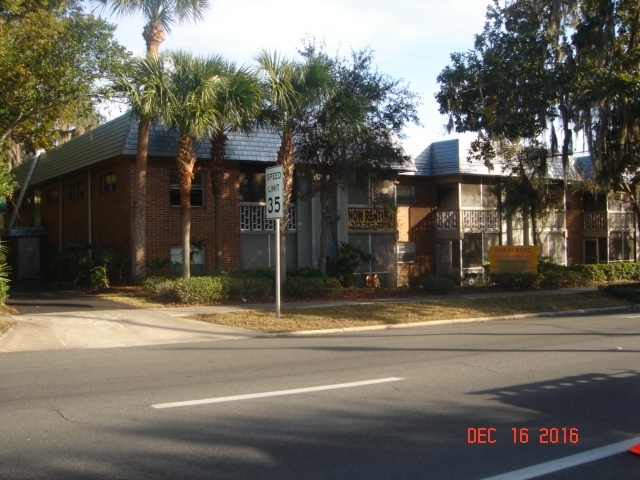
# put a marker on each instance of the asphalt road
(380, 405)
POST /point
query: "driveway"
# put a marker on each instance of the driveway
(58, 319)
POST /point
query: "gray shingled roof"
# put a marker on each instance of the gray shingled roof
(449, 157)
(118, 138)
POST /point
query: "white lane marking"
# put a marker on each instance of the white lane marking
(567, 462)
(277, 393)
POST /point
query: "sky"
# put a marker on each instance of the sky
(412, 39)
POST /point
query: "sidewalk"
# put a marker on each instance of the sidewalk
(96, 324)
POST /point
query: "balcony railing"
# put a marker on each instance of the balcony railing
(447, 219)
(253, 218)
(468, 220)
(554, 221)
(477, 220)
(480, 220)
(621, 221)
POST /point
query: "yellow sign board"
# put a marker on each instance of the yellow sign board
(513, 258)
(362, 218)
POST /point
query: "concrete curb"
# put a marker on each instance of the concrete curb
(330, 331)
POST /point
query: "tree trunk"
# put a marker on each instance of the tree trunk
(218, 151)
(139, 220)
(287, 160)
(325, 215)
(186, 158)
(153, 34)
(534, 225)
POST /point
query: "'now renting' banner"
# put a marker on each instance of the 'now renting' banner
(513, 258)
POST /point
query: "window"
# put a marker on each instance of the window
(197, 189)
(406, 195)
(406, 252)
(252, 183)
(108, 183)
(197, 259)
(76, 191)
(52, 197)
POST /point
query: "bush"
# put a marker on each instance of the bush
(5, 270)
(212, 288)
(333, 284)
(161, 287)
(437, 285)
(348, 262)
(563, 278)
(248, 286)
(199, 289)
(77, 267)
(305, 287)
(516, 280)
(610, 272)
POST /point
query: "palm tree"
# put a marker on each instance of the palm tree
(194, 85)
(291, 90)
(238, 105)
(160, 15)
(145, 89)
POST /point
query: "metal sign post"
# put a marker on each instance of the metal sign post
(274, 185)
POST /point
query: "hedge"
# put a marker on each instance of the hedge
(255, 286)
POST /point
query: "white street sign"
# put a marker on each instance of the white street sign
(274, 186)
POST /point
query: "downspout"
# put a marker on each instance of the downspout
(23, 191)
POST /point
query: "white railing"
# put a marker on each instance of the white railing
(481, 220)
(554, 221)
(595, 220)
(253, 218)
(447, 220)
(620, 221)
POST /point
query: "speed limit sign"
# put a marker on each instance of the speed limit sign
(274, 186)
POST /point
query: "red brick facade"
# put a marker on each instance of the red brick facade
(78, 209)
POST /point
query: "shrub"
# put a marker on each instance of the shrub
(248, 286)
(437, 285)
(563, 278)
(349, 260)
(4, 273)
(161, 287)
(200, 289)
(610, 272)
(305, 287)
(212, 288)
(333, 284)
(99, 277)
(516, 280)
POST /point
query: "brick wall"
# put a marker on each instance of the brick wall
(65, 213)
(415, 225)
(111, 219)
(163, 220)
(74, 200)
